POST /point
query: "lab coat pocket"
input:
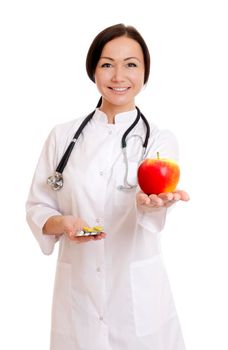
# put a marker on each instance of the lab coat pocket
(152, 300)
(61, 307)
(123, 194)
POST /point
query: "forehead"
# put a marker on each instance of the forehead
(122, 47)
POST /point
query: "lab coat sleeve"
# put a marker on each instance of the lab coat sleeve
(164, 142)
(41, 203)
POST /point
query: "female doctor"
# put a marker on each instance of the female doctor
(111, 291)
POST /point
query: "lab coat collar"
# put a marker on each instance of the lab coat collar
(120, 118)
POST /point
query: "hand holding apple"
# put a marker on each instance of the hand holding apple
(157, 175)
(161, 200)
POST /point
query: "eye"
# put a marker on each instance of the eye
(106, 65)
(132, 64)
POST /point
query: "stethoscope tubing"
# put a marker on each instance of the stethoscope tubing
(67, 153)
(56, 180)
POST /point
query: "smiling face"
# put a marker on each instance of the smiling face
(119, 74)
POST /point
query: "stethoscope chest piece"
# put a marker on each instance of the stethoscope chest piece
(55, 181)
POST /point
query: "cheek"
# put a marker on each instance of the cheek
(101, 82)
(98, 82)
(102, 76)
(138, 83)
(137, 79)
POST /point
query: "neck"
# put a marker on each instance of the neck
(112, 110)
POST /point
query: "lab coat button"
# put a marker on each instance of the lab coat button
(101, 318)
(99, 221)
(110, 132)
(101, 173)
(98, 269)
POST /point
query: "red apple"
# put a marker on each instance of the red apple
(158, 175)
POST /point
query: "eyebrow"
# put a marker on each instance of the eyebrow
(125, 59)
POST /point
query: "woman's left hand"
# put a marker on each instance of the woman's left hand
(161, 200)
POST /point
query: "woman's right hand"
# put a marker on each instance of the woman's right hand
(69, 225)
(72, 225)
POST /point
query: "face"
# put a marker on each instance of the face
(119, 74)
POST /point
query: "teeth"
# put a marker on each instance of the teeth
(119, 89)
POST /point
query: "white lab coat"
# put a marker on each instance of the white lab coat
(111, 294)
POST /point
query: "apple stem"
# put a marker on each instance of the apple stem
(158, 155)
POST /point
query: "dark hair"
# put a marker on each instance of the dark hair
(109, 34)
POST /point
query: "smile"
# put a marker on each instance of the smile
(119, 89)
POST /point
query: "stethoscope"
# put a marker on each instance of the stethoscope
(56, 180)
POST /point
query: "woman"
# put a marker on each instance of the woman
(111, 291)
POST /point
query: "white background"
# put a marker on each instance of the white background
(43, 82)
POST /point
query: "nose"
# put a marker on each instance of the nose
(118, 74)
